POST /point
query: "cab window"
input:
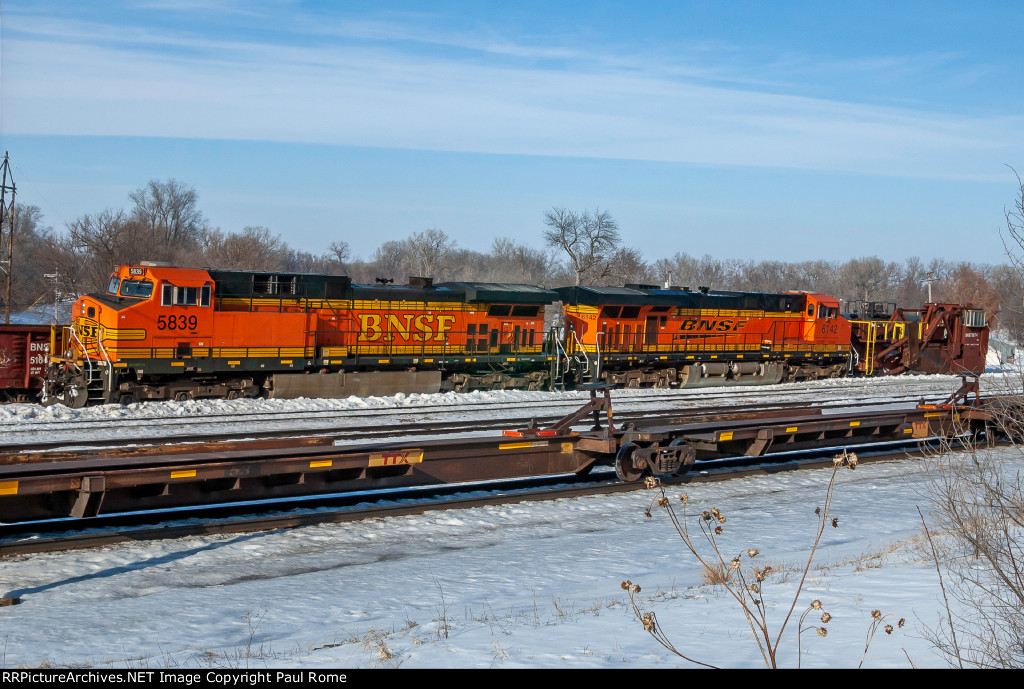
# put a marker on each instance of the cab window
(172, 295)
(114, 282)
(142, 289)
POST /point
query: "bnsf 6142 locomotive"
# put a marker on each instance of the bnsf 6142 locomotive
(640, 335)
(161, 332)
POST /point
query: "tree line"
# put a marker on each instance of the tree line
(164, 222)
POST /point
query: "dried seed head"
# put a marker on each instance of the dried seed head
(835, 522)
(877, 615)
(759, 574)
(721, 519)
(635, 588)
(706, 516)
(662, 501)
(826, 618)
(838, 460)
(735, 564)
(768, 569)
(754, 588)
(822, 631)
(718, 531)
(817, 510)
(902, 622)
(753, 552)
(647, 513)
(684, 498)
(651, 482)
(649, 621)
(816, 604)
(852, 460)
(626, 585)
(888, 629)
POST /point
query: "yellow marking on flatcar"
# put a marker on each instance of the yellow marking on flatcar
(286, 361)
(855, 423)
(234, 363)
(177, 363)
(725, 435)
(791, 429)
(396, 458)
(516, 446)
(383, 361)
(908, 430)
(8, 487)
(183, 474)
(932, 414)
(566, 448)
(320, 463)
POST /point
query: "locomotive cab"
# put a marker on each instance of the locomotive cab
(823, 325)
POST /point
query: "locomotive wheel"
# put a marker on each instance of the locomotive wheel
(624, 468)
(70, 390)
(233, 394)
(182, 396)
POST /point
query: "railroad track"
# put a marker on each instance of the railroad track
(89, 425)
(14, 449)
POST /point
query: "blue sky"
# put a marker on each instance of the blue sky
(764, 130)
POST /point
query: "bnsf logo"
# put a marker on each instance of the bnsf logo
(723, 325)
(421, 328)
(88, 330)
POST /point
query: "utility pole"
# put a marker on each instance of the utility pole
(929, 278)
(7, 218)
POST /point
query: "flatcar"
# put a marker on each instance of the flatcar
(640, 335)
(161, 332)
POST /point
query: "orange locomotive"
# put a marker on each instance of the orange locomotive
(161, 332)
(640, 335)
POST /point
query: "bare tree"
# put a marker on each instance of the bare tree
(976, 496)
(105, 239)
(254, 248)
(588, 240)
(512, 261)
(171, 210)
(428, 250)
(339, 252)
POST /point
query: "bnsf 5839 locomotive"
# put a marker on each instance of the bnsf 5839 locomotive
(161, 332)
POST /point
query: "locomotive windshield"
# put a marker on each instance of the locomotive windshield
(141, 289)
(114, 282)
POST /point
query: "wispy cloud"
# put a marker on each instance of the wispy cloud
(369, 82)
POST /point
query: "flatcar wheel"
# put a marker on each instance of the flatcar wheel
(624, 468)
(687, 462)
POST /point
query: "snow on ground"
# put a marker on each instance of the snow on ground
(518, 586)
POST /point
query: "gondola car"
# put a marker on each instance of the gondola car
(640, 335)
(23, 352)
